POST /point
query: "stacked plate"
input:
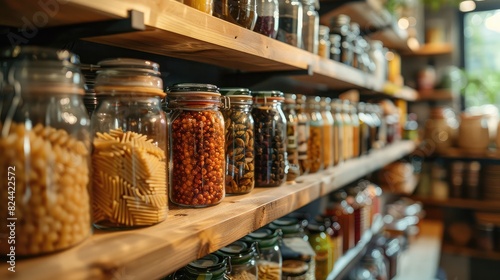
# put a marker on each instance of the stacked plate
(491, 182)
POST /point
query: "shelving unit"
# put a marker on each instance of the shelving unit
(188, 234)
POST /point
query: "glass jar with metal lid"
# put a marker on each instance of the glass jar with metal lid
(129, 156)
(242, 258)
(290, 227)
(197, 170)
(340, 25)
(270, 138)
(292, 123)
(239, 150)
(211, 266)
(324, 43)
(315, 143)
(269, 261)
(44, 139)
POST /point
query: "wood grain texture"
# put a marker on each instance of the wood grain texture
(188, 234)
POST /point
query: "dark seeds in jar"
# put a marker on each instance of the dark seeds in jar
(197, 159)
(269, 147)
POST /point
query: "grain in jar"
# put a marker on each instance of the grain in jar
(267, 22)
(316, 137)
(355, 130)
(338, 133)
(302, 134)
(197, 170)
(240, 12)
(129, 159)
(365, 122)
(292, 152)
(242, 259)
(269, 260)
(206, 6)
(239, 148)
(270, 138)
(45, 162)
(328, 123)
(324, 43)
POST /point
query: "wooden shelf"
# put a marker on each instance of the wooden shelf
(435, 95)
(470, 252)
(482, 205)
(187, 234)
(458, 153)
(421, 259)
(177, 30)
(431, 50)
(373, 18)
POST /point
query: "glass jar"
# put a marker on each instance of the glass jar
(338, 133)
(333, 230)
(310, 26)
(290, 227)
(270, 138)
(321, 244)
(328, 123)
(371, 266)
(129, 130)
(345, 213)
(340, 25)
(240, 12)
(292, 122)
(267, 22)
(239, 150)
(197, 170)
(316, 126)
(377, 55)
(302, 134)
(355, 131)
(324, 43)
(291, 19)
(211, 266)
(348, 131)
(365, 123)
(45, 149)
(242, 259)
(357, 49)
(269, 260)
(376, 123)
(335, 46)
(206, 6)
(90, 98)
(356, 201)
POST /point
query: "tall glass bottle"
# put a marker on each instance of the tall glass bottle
(328, 123)
(290, 25)
(348, 131)
(292, 123)
(315, 148)
(302, 134)
(338, 133)
(355, 130)
(310, 26)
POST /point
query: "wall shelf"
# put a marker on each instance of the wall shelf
(432, 49)
(188, 234)
(474, 204)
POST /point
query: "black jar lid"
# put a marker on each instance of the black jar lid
(35, 53)
(316, 228)
(237, 95)
(239, 251)
(209, 263)
(193, 87)
(265, 237)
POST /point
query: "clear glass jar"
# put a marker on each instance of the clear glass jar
(348, 131)
(197, 157)
(340, 25)
(310, 26)
(333, 230)
(45, 146)
(355, 130)
(129, 129)
(324, 43)
(345, 214)
(376, 124)
(269, 260)
(270, 138)
(335, 46)
(291, 19)
(211, 266)
(316, 126)
(321, 244)
(365, 123)
(206, 6)
(267, 22)
(377, 55)
(292, 123)
(90, 98)
(357, 49)
(242, 259)
(328, 123)
(239, 150)
(338, 133)
(302, 134)
(240, 12)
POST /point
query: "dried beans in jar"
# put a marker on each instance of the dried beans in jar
(197, 146)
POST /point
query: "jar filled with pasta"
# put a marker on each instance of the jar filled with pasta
(197, 170)
(316, 136)
(239, 151)
(45, 144)
(129, 130)
(269, 260)
(270, 138)
(242, 259)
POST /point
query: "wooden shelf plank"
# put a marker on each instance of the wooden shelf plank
(470, 252)
(188, 234)
(435, 95)
(459, 153)
(431, 49)
(475, 204)
(421, 259)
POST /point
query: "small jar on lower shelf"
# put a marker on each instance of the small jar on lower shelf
(269, 260)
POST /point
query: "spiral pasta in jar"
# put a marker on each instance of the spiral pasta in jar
(239, 151)
(129, 131)
(197, 170)
(270, 136)
(44, 141)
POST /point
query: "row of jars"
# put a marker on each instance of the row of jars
(295, 247)
(135, 156)
(294, 22)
